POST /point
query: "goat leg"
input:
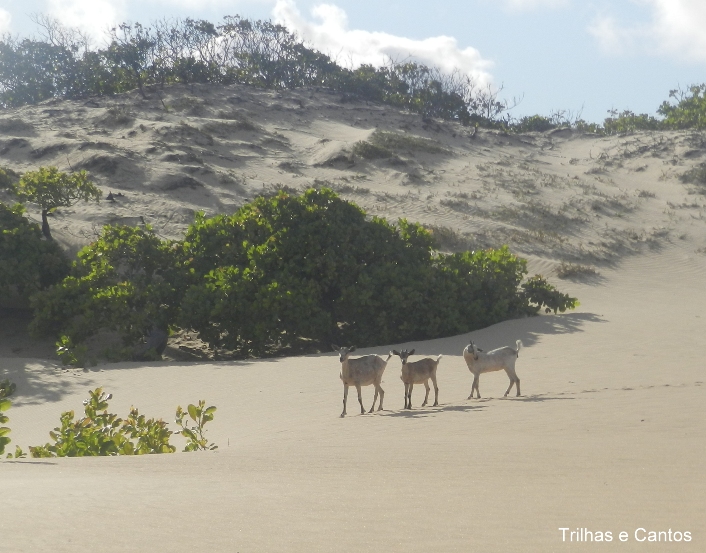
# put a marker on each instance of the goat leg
(360, 400)
(436, 390)
(375, 398)
(345, 396)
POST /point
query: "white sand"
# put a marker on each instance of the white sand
(610, 433)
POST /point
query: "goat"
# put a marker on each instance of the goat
(417, 373)
(362, 371)
(480, 362)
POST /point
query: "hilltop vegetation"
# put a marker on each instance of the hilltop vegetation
(63, 64)
(257, 53)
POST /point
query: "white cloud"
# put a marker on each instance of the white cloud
(330, 34)
(91, 16)
(674, 27)
(527, 5)
(5, 19)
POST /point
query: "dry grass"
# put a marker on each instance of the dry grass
(575, 271)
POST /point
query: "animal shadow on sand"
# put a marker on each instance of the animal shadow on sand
(430, 411)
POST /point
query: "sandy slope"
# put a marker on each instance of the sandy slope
(610, 434)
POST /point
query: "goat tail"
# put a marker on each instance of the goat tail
(438, 358)
(519, 345)
(389, 356)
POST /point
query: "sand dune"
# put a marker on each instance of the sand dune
(610, 434)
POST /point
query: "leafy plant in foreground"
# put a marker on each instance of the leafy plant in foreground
(7, 388)
(200, 414)
(100, 433)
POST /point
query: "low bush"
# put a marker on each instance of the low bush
(100, 433)
(28, 264)
(7, 388)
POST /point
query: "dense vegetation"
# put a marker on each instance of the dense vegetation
(288, 273)
(27, 263)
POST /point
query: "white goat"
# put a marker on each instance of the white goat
(417, 373)
(480, 362)
(362, 371)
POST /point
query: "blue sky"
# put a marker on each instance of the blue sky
(578, 55)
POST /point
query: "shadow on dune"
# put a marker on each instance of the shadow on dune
(39, 382)
(26, 462)
(529, 330)
(539, 397)
(428, 411)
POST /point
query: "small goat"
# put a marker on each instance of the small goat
(417, 373)
(480, 362)
(362, 371)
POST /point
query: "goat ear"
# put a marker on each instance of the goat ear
(411, 352)
(352, 348)
(334, 347)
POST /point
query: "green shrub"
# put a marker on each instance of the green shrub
(70, 353)
(283, 274)
(101, 433)
(128, 281)
(200, 414)
(689, 112)
(287, 273)
(28, 264)
(7, 388)
(538, 292)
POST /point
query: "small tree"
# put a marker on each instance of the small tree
(50, 189)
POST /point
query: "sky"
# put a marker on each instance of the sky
(584, 57)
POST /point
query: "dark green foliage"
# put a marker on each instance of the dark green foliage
(7, 178)
(7, 388)
(100, 433)
(289, 271)
(285, 274)
(127, 281)
(538, 292)
(27, 263)
(70, 353)
(200, 414)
